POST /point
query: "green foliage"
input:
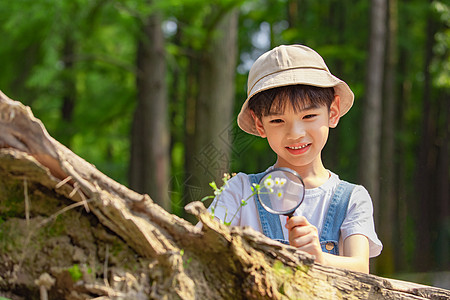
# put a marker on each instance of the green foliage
(441, 64)
(75, 273)
(7, 242)
(218, 191)
(282, 270)
(186, 261)
(103, 71)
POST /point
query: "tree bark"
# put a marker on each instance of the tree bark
(70, 91)
(209, 119)
(124, 246)
(372, 110)
(149, 161)
(427, 182)
(388, 200)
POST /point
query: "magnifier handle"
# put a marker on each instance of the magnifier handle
(289, 216)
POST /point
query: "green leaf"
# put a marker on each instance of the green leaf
(75, 273)
(206, 198)
(213, 185)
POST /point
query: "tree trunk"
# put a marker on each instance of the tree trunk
(70, 91)
(208, 155)
(388, 228)
(426, 186)
(372, 110)
(149, 162)
(442, 182)
(122, 245)
(404, 202)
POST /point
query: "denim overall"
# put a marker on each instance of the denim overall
(329, 236)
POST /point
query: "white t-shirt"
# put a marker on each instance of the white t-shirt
(359, 218)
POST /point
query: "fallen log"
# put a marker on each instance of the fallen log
(67, 231)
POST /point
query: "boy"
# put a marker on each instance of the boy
(293, 100)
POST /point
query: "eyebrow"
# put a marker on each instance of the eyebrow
(312, 106)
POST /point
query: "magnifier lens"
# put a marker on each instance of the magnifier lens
(282, 191)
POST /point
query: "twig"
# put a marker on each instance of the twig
(81, 185)
(63, 210)
(27, 201)
(84, 201)
(76, 188)
(105, 266)
(63, 182)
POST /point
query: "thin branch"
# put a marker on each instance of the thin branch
(27, 201)
(105, 266)
(76, 187)
(63, 182)
(61, 211)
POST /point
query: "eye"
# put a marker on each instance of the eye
(276, 121)
(310, 116)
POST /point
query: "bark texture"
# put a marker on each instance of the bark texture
(71, 232)
(372, 109)
(388, 177)
(149, 161)
(209, 127)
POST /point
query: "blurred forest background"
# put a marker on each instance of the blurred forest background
(149, 90)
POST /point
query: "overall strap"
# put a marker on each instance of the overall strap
(331, 229)
(270, 223)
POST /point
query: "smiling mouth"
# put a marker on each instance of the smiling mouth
(298, 147)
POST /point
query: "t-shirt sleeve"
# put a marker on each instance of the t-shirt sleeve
(359, 220)
(226, 206)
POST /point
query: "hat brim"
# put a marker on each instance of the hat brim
(305, 76)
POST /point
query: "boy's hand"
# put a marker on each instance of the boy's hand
(305, 237)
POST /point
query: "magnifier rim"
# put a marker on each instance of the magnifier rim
(284, 212)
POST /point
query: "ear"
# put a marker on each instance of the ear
(335, 110)
(258, 124)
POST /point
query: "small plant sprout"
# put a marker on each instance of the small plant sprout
(242, 204)
(269, 184)
(185, 261)
(218, 191)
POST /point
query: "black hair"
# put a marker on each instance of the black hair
(299, 96)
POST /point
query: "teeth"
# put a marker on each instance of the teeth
(299, 147)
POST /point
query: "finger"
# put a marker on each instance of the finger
(304, 243)
(296, 221)
(300, 231)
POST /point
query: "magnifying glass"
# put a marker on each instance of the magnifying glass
(281, 191)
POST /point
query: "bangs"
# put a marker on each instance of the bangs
(299, 97)
(286, 97)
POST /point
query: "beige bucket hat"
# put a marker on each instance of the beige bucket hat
(290, 65)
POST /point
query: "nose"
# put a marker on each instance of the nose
(296, 130)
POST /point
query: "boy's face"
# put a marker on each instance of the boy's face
(299, 137)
